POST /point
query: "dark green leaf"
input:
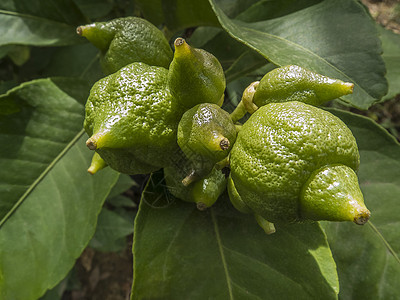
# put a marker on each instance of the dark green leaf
(111, 232)
(39, 23)
(53, 224)
(178, 14)
(124, 183)
(75, 61)
(368, 257)
(391, 56)
(223, 254)
(335, 38)
(34, 139)
(236, 59)
(95, 8)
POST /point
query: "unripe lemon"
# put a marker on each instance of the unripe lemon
(126, 40)
(293, 162)
(132, 119)
(294, 83)
(195, 76)
(206, 134)
(204, 192)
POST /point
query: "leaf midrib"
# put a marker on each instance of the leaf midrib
(221, 251)
(41, 176)
(390, 249)
(36, 18)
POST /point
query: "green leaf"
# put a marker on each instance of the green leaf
(35, 138)
(111, 232)
(178, 14)
(39, 23)
(75, 61)
(95, 8)
(45, 235)
(391, 56)
(223, 254)
(236, 59)
(368, 257)
(335, 38)
(124, 183)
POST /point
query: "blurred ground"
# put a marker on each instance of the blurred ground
(108, 276)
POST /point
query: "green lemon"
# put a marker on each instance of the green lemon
(206, 135)
(294, 83)
(195, 76)
(293, 162)
(204, 192)
(132, 120)
(126, 40)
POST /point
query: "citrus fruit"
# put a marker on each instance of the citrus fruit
(132, 119)
(294, 83)
(293, 162)
(204, 192)
(206, 135)
(126, 40)
(195, 76)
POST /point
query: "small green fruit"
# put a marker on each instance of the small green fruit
(204, 192)
(132, 119)
(126, 40)
(294, 83)
(206, 135)
(195, 76)
(294, 162)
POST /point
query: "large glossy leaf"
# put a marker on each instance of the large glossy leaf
(223, 254)
(178, 14)
(39, 23)
(335, 38)
(391, 56)
(236, 59)
(50, 119)
(368, 257)
(41, 240)
(49, 203)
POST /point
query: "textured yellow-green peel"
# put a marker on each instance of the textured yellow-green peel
(332, 193)
(195, 76)
(97, 164)
(294, 83)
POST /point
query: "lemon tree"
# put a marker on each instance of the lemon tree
(201, 94)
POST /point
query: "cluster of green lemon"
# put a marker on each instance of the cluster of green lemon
(289, 162)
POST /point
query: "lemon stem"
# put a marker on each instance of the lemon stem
(192, 177)
(268, 227)
(239, 112)
(222, 164)
(246, 103)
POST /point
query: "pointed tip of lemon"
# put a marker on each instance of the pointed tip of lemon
(79, 30)
(219, 143)
(348, 87)
(97, 141)
(362, 216)
(91, 143)
(201, 206)
(224, 144)
(181, 47)
(92, 170)
(97, 164)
